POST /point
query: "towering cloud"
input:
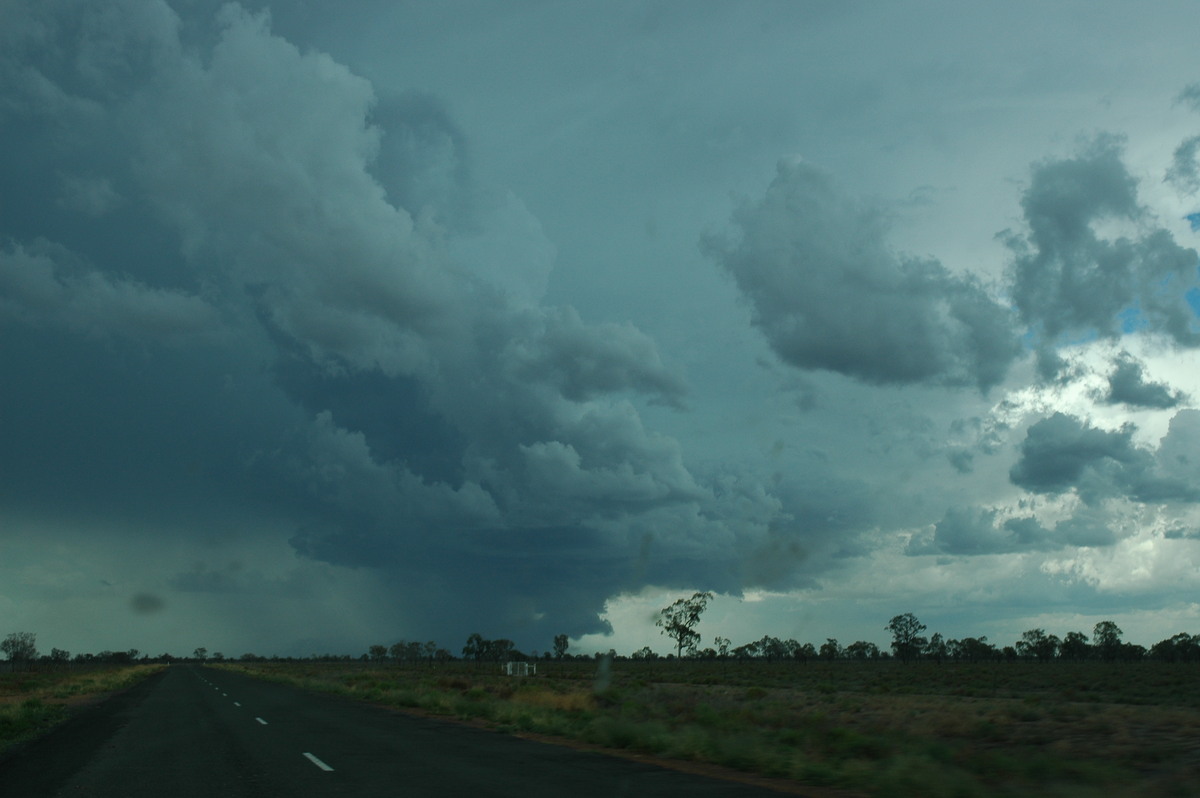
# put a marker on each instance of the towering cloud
(344, 295)
(829, 293)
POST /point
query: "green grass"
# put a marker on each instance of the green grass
(33, 702)
(986, 729)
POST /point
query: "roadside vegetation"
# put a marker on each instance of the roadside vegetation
(33, 701)
(1073, 716)
(875, 728)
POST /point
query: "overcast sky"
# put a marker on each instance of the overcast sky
(331, 324)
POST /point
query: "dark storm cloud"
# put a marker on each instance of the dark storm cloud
(259, 290)
(1067, 279)
(829, 293)
(584, 361)
(46, 284)
(1059, 452)
(1062, 453)
(1127, 385)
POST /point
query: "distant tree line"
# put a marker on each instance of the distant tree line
(679, 621)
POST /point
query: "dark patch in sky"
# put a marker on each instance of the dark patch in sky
(146, 603)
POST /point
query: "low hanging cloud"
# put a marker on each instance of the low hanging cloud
(1067, 278)
(829, 293)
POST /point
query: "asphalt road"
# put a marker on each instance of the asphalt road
(192, 731)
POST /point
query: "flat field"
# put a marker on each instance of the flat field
(31, 702)
(872, 728)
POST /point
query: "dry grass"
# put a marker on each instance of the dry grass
(1085, 729)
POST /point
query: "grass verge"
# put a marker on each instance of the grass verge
(33, 702)
(1069, 729)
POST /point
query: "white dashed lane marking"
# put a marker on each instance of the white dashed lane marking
(317, 762)
(310, 757)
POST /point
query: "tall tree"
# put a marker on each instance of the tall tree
(1106, 637)
(1074, 646)
(936, 649)
(679, 620)
(561, 644)
(20, 648)
(906, 636)
(476, 647)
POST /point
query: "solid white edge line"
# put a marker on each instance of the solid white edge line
(236, 704)
(318, 762)
(260, 720)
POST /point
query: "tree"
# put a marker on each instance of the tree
(936, 649)
(906, 636)
(377, 653)
(772, 648)
(200, 653)
(476, 647)
(503, 649)
(679, 620)
(561, 644)
(20, 647)
(862, 649)
(1036, 644)
(972, 649)
(830, 649)
(1107, 637)
(1182, 647)
(1074, 646)
(722, 644)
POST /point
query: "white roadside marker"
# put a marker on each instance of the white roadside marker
(318, 762)
(236, 704)
(260, 720)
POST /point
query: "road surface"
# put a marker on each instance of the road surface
(191, 731)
